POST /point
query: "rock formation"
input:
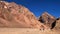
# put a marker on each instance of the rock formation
(13, 15)
(17, 16)
(57, 25)
(47, 19)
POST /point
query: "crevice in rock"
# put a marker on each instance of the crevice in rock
(41, 20)
(53, 25)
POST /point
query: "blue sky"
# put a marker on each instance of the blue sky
(40, 6)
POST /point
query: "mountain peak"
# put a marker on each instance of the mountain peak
(45, 13)
(14, 15)
(47, 19)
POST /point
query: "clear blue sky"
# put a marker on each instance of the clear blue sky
(40, 6)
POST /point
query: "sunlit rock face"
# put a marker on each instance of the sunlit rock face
(17, 16)
(13, 15)
(57, 25)
(47, 19)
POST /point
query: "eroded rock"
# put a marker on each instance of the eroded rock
(13, 16)
(57, 25)
(47, 19)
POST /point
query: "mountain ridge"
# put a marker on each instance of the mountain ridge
(13, 15)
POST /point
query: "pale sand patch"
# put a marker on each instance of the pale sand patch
(26, 31)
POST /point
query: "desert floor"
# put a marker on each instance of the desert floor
(26, 31)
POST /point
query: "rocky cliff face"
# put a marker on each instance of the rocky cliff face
(47, 19)
(50, 21)
(57, 24)
(18, 16)
(13, 15)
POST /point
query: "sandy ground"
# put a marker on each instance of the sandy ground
(26, 31)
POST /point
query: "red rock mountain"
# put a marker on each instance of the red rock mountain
(13, 15)
(47, 19)
(50, 21)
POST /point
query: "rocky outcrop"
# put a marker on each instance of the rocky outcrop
(13, 15)
(47, 19)
(57, 25)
